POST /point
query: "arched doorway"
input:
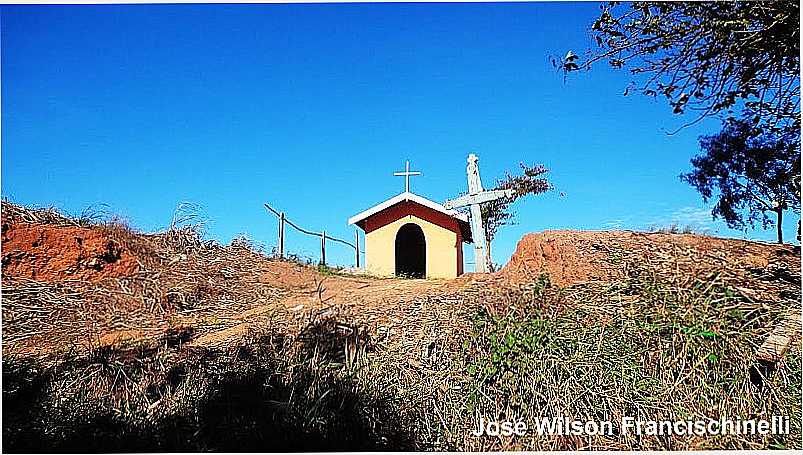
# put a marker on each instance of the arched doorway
(411, 251)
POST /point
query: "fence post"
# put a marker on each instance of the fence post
(357, 248)
(323, 248)
(281, 235)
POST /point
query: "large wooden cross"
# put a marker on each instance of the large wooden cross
(476, 196)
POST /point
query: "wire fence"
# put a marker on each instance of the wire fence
(322, 235)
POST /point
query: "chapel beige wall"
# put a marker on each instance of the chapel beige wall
(380, 249)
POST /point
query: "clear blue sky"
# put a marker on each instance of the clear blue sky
(312, 107)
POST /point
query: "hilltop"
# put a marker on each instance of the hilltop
(761, 271)
(166, 341)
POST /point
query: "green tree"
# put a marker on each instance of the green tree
(498, 213)
(725, 59)
(749, 173)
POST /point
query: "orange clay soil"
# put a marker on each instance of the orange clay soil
(571, 257)
(55, 253)
(563, 255)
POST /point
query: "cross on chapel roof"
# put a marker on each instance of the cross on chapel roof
(406, 173)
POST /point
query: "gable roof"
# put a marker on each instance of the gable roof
(407, 196)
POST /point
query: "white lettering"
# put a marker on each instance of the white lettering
(492, 429)
(547, 426)
(480, 430)
(507, 428)
(521, 428)
(627, 424)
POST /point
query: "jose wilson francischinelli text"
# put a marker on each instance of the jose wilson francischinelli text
(630, 425)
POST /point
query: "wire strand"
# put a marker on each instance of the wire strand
(304, 231)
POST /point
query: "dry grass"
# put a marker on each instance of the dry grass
(392, 364)
(639, 348)
(253, 395)
(49, 215)
(180, 274)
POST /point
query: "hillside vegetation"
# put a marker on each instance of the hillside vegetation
(115, 340)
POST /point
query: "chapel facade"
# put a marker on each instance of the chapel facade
(411, 236)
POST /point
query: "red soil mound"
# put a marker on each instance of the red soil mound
(566, 256)
(53, 253)
(570, 257)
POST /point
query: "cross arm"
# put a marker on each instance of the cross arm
(479, 198)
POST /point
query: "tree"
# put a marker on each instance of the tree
(749, 173)
(725, 59)
(498, 213)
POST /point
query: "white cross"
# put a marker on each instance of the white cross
(473, 199)
(406, 175)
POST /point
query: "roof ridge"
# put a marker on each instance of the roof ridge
(406, 196)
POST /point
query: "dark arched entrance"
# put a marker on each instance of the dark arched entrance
(411, 251)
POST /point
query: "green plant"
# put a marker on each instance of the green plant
(621, 350)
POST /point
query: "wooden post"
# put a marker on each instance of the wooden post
(782, 336)
(323, 248)
(357, 244)
(476, 196)
(281, 235)
(779, 212)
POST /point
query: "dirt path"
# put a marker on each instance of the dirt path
(370, 301)
(280, 295)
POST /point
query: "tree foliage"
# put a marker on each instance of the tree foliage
(498, 213)
(749, 173)
(727, 58)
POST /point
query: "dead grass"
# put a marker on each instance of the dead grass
(180, 274)
(264, 392)
(642, 347)
(337, 362)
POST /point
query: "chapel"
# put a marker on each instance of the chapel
(411, 236)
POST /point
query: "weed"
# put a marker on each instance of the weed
(668, 354)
